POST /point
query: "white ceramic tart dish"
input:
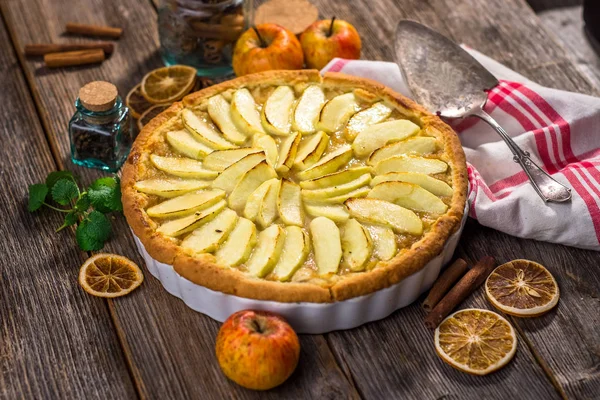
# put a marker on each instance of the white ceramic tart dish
(292, 187)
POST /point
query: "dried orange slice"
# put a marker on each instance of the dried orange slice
(168, 84)
(522, 288)
(136, 102)
(475, 341)
(151, 113)
(109, 275)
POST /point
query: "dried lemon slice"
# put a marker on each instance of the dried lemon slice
(109, 275)
(151, 113)
(136, 102)
(522, 288)
(475, 341)
(168, 84)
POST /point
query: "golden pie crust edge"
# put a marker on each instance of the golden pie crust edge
(203, 270)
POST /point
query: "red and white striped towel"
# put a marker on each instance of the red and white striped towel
(560, 129)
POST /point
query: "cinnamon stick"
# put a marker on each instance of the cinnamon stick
(41, 49)
(69, 58)
(444, 283)
(467, 284)
(94, 30)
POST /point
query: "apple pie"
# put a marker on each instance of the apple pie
(295, 187)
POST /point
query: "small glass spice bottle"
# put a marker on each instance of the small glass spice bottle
(100, 131)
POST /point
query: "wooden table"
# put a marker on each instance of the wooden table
(59, 342)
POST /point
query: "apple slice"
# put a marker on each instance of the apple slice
(209, 236)
(287, 152)
(187, 224)
(220, 160)
(378, 112)
(169, 187)
(182, 167)
(268, 208)
(335, 179)
(335, 112)
(357, 245)
(277, 111)
(295, 250)
(308, 109)
(360, 192)
(289, 203)
(268, 145)
(310, 150)
(249, 182)
(183, 142)
(378, 135)
(328, 164)
(256, 199)
(186, 204)
(404, 163)
(336, 213)
(244, 113)
(203, 132)
(408, 195)
(435, 186)
(385, 213)
(384, 241)
(333, 191)
(418, 145)
(267, 252)
(327, 245)
(219, 110)
(238, 246)
(232, 174)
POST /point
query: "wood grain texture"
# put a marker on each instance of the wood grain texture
(56, 341)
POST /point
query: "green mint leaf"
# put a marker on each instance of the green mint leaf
(70, 219)
(93, 231)
(105, 194)
(64, 191)
(37, 195)
(55, 176)
(83, 203)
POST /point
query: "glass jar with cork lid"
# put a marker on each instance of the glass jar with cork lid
(100, 131)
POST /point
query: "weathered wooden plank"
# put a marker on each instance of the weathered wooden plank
(56, 341)
(170, 347)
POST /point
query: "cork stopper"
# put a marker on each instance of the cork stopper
(98, 96)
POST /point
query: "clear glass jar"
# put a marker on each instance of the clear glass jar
(201, 33)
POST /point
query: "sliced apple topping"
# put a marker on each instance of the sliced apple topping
(404, 163)
(378, 112)
(289, 203)
(277, 111)
(385, 213)
(186, 204)
(269, 146)
(336, 213)
(220, 160)
(435, 186)
(267, 252)
(248, 183)
(308, 109)
(335, 179)
(232, 174)
(378, 135)
(268, 208)
(310, 150)
(244, 113)
(333, 191)
(335, 112)
(183, 142)
(328, 164)
(209, 236)
(295, 250)
(256, 199)
(384, 241)
(239, 244)
(203, 132)
(182, 167)
(360, 192)
(417, 145)
(357, 245)
(178, 227)
(326, 244)
(287, 152)
(169, 187)
(219, 110)
(410, 196)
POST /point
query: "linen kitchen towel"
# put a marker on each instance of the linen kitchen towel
(560, 129)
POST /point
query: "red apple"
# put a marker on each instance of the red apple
(257, 349)
(267, 47)
(329, 38)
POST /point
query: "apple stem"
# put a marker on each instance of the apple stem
(257, 326)
(331, 27)
(263, 44)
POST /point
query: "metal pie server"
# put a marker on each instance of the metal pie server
(448, 81)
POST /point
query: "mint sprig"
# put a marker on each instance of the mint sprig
(87, 206)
